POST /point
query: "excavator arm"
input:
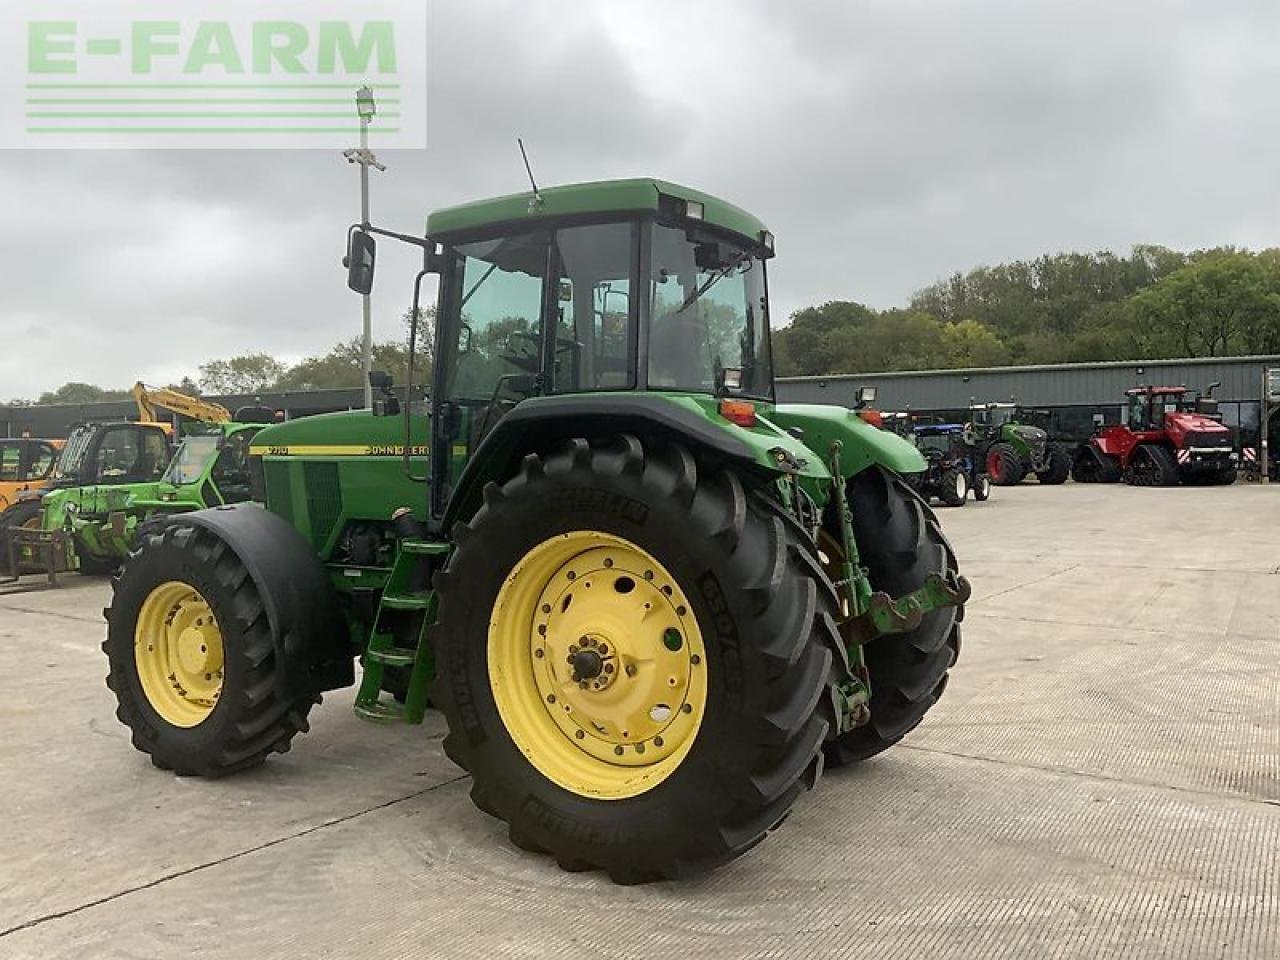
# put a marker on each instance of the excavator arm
(151, 399)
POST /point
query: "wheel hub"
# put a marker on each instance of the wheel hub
(178, 653)
(616, 667)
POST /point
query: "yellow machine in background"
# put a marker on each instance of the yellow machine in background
(151, 399)
(26, 464)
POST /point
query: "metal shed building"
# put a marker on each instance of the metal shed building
(1073, 394)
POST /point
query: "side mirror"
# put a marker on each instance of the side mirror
(362, 251)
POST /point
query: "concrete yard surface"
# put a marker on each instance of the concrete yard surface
(1101, 779)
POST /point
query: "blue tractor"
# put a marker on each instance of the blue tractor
(952, 469)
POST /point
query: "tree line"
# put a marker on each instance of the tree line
(1153, 303)
(1063, 308)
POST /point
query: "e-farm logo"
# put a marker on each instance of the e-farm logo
(232, 74)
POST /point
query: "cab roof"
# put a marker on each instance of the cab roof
(640, 195)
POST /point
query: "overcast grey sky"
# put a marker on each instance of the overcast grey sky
(888, 143)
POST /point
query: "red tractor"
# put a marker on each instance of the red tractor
(1171, 436)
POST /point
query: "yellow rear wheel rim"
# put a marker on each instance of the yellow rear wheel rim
(597, 665)
(177, 647)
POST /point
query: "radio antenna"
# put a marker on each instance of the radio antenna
(537, 197)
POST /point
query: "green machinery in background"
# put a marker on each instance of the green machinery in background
(650, 601)
(111, 477)
(1012, 450)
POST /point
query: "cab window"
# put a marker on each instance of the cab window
(43, 457)
(595, 315)
(129, 454)
(10, 462)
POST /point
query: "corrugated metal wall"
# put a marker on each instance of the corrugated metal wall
(1091, 384)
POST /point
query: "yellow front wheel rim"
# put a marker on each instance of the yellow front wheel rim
(177, 647)
(597, 665)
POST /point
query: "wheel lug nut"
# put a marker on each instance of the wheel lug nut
(604, 649)
(618, 750)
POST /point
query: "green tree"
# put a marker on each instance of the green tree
(1224, 302)
(246, 373)
(76, 392)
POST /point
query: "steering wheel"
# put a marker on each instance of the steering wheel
(530, 359)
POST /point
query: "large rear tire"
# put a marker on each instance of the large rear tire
(1059, 467)
(900, 542)
(1004, 466)
(192, 657)
(634, 658)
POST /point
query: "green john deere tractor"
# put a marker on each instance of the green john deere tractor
(649, 601)
(1013, 450)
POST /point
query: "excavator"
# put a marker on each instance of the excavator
(111, 477)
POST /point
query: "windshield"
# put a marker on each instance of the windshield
(709, 326)
(72, 456)
(191, 460)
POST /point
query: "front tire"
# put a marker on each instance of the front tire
(25, 514)
(900, 542)
(695, 592)
(981, 487)
(89, 565)
(954, 488)
(192, 657)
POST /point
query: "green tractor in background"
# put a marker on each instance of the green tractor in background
(101, 521)
(1012, 450)
(649, 601)
(112, 477)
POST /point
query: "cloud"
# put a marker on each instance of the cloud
(886, 143)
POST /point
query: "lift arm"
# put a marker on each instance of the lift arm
(150, 399)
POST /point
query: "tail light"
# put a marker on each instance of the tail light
(740, 412)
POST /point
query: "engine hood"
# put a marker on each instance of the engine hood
(1194, 421)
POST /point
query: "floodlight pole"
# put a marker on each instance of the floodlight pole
(366, 109)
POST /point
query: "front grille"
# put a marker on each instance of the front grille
(278, 497)
(1205, 438)
(324, 499)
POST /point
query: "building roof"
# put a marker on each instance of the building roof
(600, 197)
(1042, 367)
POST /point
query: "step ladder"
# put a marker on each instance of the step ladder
(381, 651)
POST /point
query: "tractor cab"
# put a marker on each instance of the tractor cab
(112, 453)
(992, 416)
(603, 289)
(1148, 407)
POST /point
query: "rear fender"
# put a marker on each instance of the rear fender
(862, 445)
(312, 644)
(540, 425)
